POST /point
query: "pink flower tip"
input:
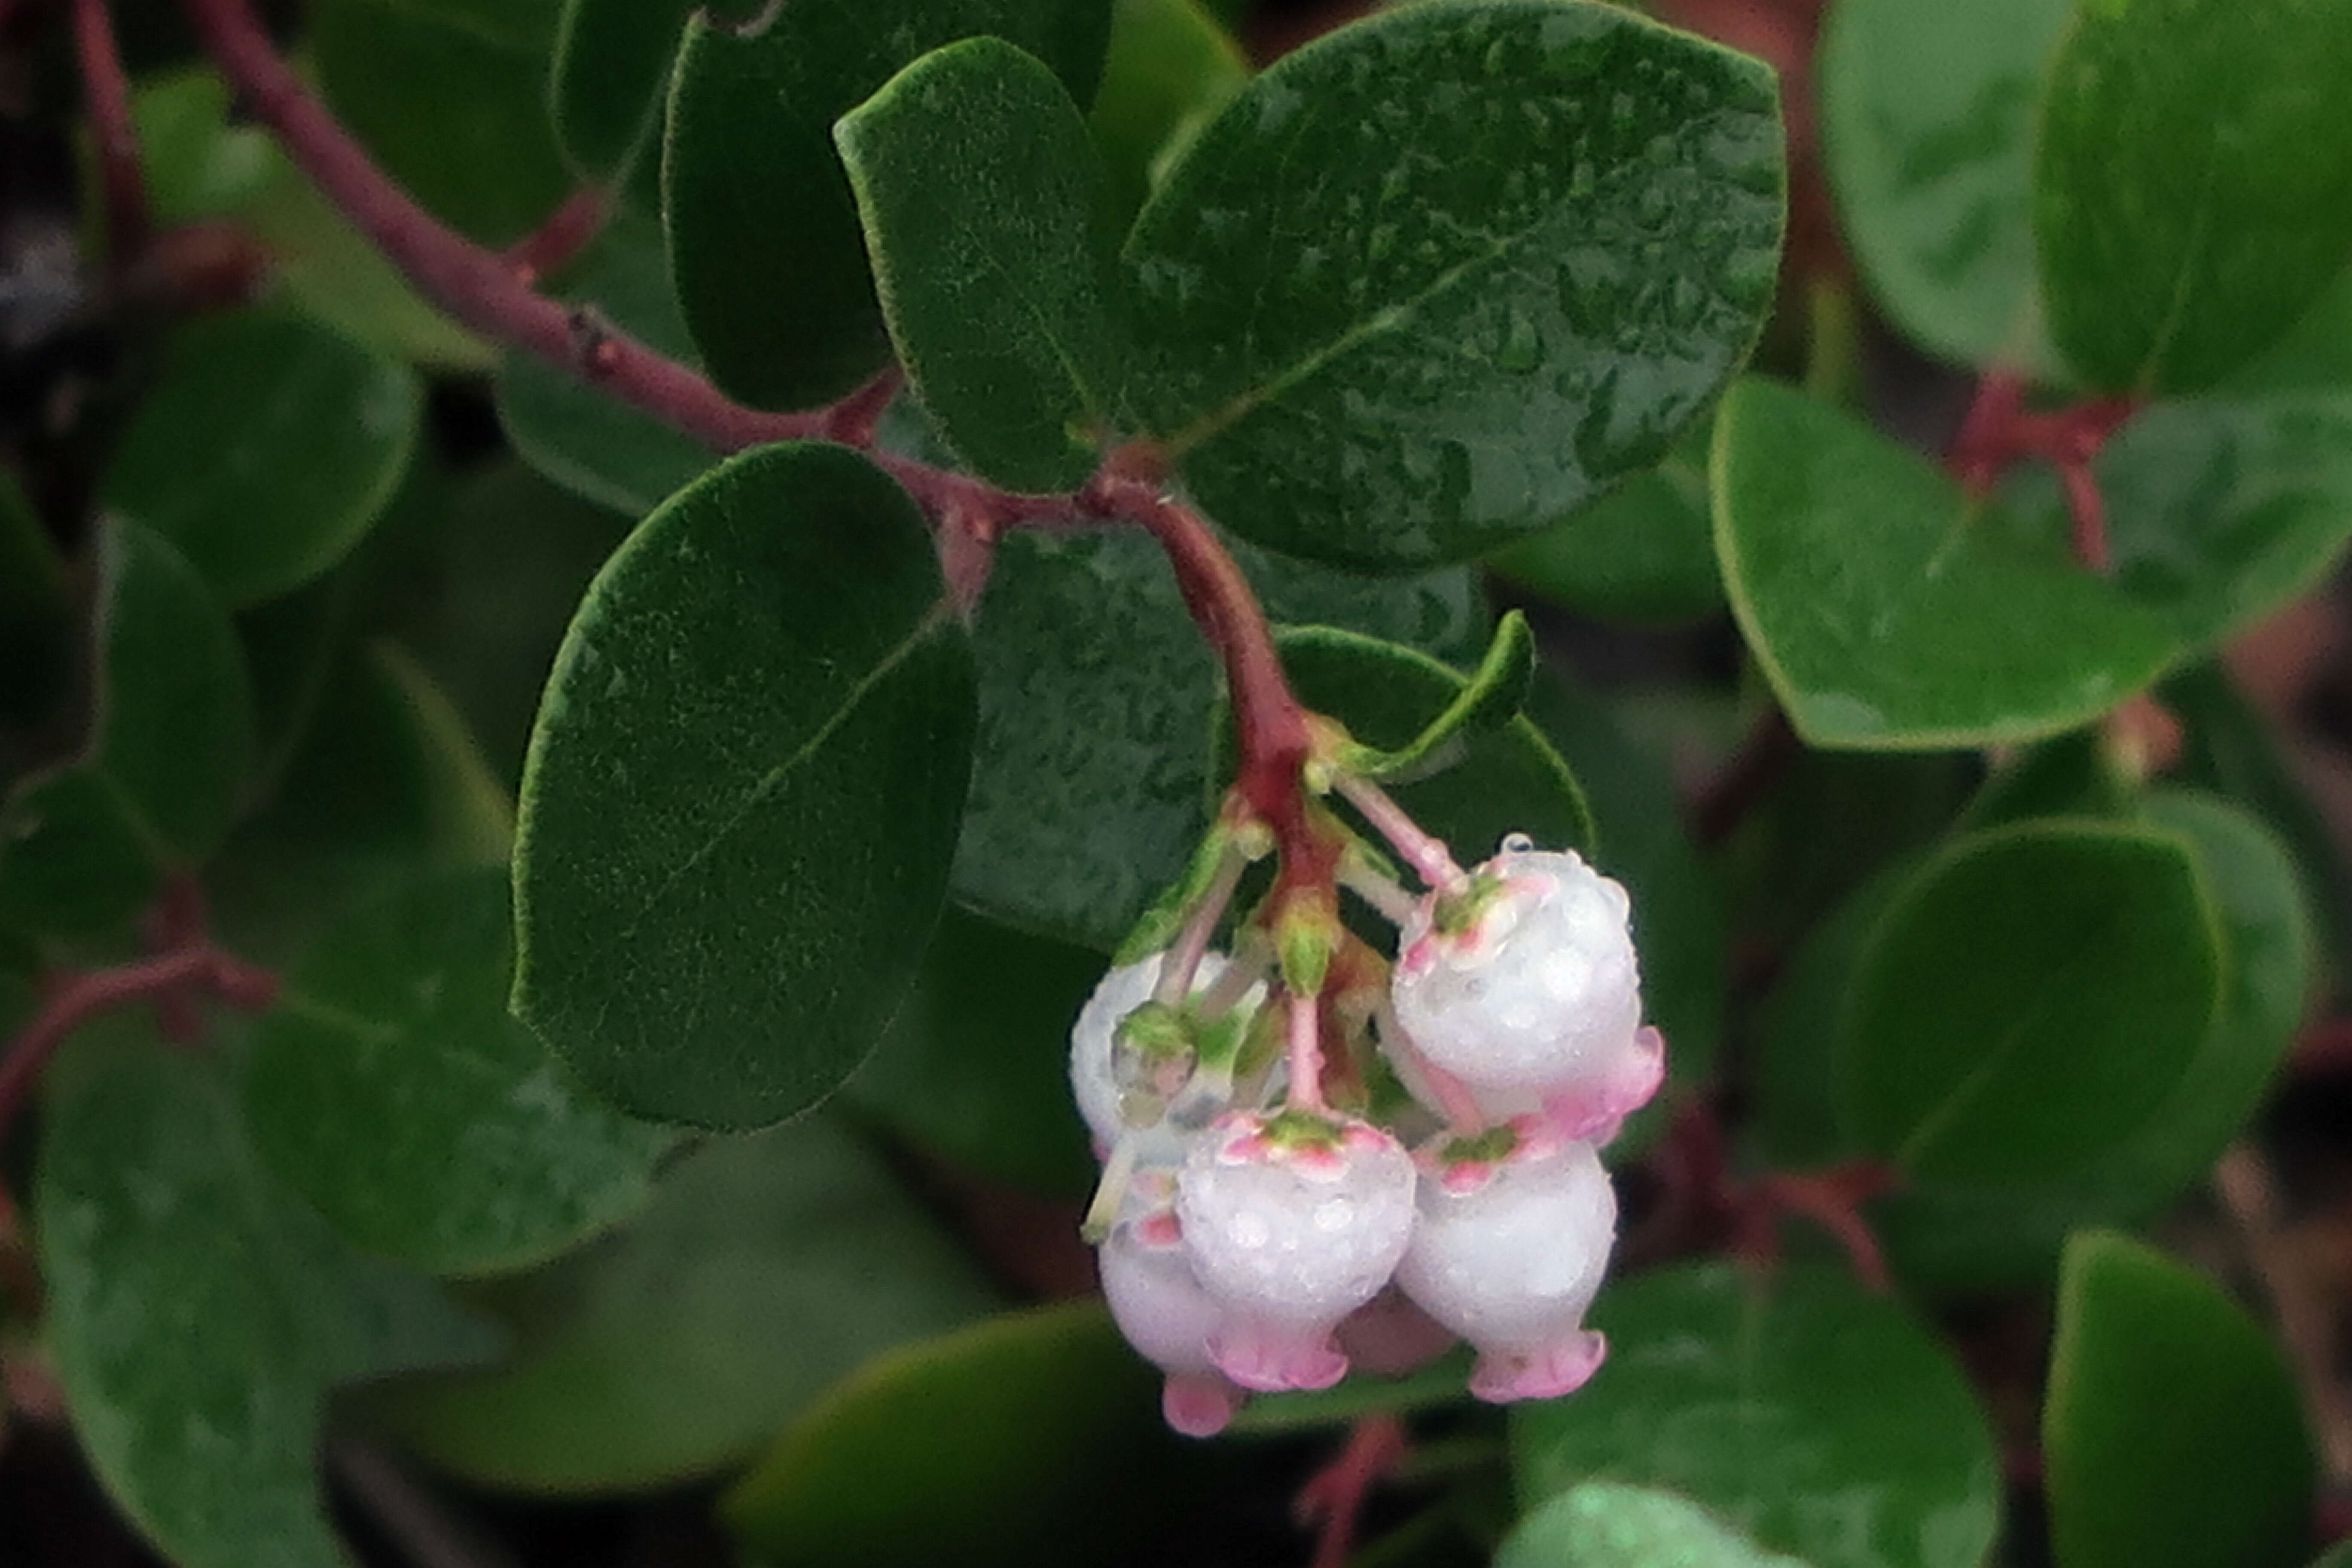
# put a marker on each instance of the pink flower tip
(1198, 1406)
(1546, 1371)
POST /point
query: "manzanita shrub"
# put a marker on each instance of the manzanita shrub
(959, 709)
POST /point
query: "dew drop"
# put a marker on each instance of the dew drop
(1250, 1229)
(1517, 844)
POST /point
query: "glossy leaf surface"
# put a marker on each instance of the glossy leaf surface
(450, 97)
(764, 239)
(1883, 610)
(982, 198)
(2029, 1001)
(1032, 1437)
(390, 1087)
(1097, 700)
(198, 1314)
(1493, 259)
(1604, 1524)
(1927, 123)
(741, 798)
(975, 1068)
(1965, 1237)
(2173, 1433)
(768, 1269)
(266, 447)
(1757, 1399)
(155, 787)
(2192, 184)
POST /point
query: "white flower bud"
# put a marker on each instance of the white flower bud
(1292, 1223)
(1534, 1000)
(1159, 1306)
(1099, 1081)
(1508, 1253)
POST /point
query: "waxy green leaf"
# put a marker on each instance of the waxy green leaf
(741, 798)
(1495, 781)
(390, 1087)
(581, 437)
(2172, 1433)
(1492, 697)
(1884, 611)
(1436, 280)
(1757, 1397)
(1092, 782)
(764, 239)
(610, 84)
(266, 447)
(450, 97)
(1928, 131)
(155, 786)
(2027, 1003)
(198, 1314)
(767, 1270)
(1947, 1236)
(976, 1066)
(2192, 183)
(982, 197)
(1031, 1437)
(1644, 553)
(1172, 66)
(1606, 1524)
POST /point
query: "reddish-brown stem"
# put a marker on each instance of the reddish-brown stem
(74, 999)
(477, 288)
(1999, 430)
(1272, 736)
(1334, 1496)
(105, 92)
(555, 243)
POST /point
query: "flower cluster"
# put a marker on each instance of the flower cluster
(1315, 1153)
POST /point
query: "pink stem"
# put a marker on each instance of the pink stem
(1424, 852)
(1306, 1055)
(555, 243)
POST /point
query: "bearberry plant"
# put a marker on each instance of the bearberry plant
(1026, 781)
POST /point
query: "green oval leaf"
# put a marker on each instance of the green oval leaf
(741, 797)
(1031, 1437)
(1808, 1414)
(1603, 1524)
(767, 1270)
(2028, 1002)
(610, 83)
(1092, 785)
(1494, 781)
(764, 231)
(1927, 134)
(2171, 1434)
(1969, 1237)
(982, 197)
(976, 1066)
(155, 787)
(1438, 279)
(2193, 184)
(450, 97)
(390, 1087)
(198, 1315)
(1884, 611)
(266, 447)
